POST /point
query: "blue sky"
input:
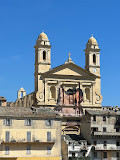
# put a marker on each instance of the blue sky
(69, 24)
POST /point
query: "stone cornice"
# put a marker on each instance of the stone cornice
(68, 76)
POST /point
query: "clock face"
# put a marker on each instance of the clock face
(94, 70)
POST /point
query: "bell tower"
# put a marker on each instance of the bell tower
(42, 57)
(92, 56)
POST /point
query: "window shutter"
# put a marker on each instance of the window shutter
(49, 150)
(7, 136)
(25, 122)
(31, 122)
(51, 122)
(48, 136)
(28, 136)
(4, 121)
(10, 122)
(46, 122)
(6, 150)
(28, 150)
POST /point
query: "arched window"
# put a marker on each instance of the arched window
(44, 55)
(21, 94)
(87, 92)
(94, 58)
(52, 92)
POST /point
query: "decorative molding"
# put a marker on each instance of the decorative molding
(99, 98)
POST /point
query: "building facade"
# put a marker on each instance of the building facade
(76, 146)
(68, 89)
(102, 130)
(29, 134)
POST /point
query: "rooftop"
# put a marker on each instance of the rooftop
(103, 112)
(8, 111)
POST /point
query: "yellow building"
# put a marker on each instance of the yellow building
(29, 134)
(68, 88)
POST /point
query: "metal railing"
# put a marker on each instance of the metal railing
(52, 140)
(99, 133)
(107, 148)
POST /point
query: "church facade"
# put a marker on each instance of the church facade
(68, 89)
(68, 84)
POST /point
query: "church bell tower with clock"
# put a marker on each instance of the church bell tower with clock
(92, 56)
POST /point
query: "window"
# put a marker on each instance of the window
(83, 154)
(117, 118)
(117, 154)
(117, 143)
(48, 136)
(28, 136)
(105, 144)
(44, 55)
(94, 58)
(104, 129)
(7, 122)
(7, 136)
(104, 118)
(21, 94)
(94, 143)
(87, 92)
(73, 146)
(49, 122)
(95, 154)
(6, 150)
(73, 154)
(49, 150)
(94, 118)
(104, 154)
(94, 129)
(28, 150)
(52, 92)
(28, 122)
(117, 129)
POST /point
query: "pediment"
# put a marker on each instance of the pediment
(69, 69)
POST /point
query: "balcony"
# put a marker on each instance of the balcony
(97, 133)
(24, 141)
(84, 148)
(117, 148)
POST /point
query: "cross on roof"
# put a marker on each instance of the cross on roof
(69, 54)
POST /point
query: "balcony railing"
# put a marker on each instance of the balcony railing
(107, 148)
(84, 148)
(41, 141)
(97, 133)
